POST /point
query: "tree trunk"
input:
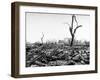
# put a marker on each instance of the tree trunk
(42, 38)
(72, 39)
(73, 30)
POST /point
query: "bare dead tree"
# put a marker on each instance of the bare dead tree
(42, 37)
(73, 30)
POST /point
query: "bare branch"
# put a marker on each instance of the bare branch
(70, 29)
(77, 28)
(72, 20)
(76, 20)
(67, 24)
(42, 34)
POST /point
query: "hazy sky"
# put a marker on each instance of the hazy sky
(54, 28)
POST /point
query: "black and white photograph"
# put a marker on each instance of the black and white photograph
(53, 39)
(57, 39)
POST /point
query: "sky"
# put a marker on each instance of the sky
(54, 27)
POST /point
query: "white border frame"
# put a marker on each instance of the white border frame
(38, 70)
